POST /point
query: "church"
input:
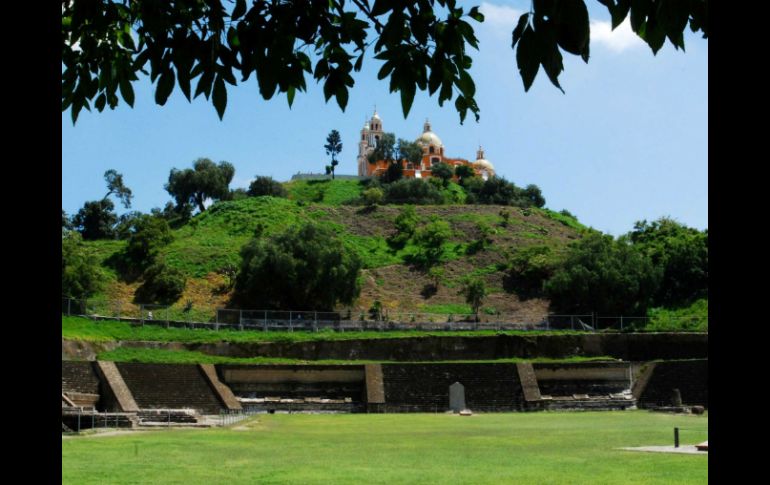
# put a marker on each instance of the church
(432, 153)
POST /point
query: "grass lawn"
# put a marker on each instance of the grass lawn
(79, 328)
(520, 448)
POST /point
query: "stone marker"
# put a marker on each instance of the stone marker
(456, 397)
(697, 409)
(676, 397)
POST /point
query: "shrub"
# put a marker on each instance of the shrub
(606, 276)
(406, 223)
(147, 236)
(306, 267)
(162, 284)
(372, 196)
(263, 185)
(443, 172)
(474, 290)
(412, 191)
(431, 239)
(81, 276)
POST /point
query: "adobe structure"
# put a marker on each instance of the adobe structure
(432, 153)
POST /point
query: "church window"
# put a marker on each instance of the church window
(432, 150)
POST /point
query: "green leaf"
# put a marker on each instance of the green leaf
(528, 58)
(204, 84)
(380, 7)
(466, 84)
(219, 96)
(476, 15)
(408, 88)
(519, 30)
(639, 11)
(101, 100)
(239, 10)
(571, 25)
(165, 86)
(290, 95)
(342, 96)
(127, 91)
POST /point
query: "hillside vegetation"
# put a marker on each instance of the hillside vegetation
(210, 242)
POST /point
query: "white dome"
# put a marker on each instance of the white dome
(486, 165)
(375, 116)
(429, 138)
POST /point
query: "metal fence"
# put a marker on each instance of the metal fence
(186, 316)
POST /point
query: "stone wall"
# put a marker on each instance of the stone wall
(630, 347)
(295, 381)
(425, 387)
(689, 376)
(589, 378)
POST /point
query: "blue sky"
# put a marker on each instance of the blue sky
(628, 140)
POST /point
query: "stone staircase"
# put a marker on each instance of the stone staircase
(169, 386)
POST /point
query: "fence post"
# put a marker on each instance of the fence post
(572, 321)
(141, 312)
(168, 323)
(69, 306)
(240, 319)
(264, 323)
(621, 322)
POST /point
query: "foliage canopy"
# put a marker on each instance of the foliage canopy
(306, 267)
(422, 44)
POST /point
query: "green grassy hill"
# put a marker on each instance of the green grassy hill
(213, 239)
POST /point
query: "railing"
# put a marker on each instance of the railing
(341, 321)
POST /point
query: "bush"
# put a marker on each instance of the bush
(412, 191)
(266, 186)
(443, 172)
(474, 290)
(96, 220)
(81, 276)
(406, 224)
(499, 191)
(529, 268)
(304, 268)
(372, 196)
(431, 239)
(606, 276)
(148, 235)
(162, 284)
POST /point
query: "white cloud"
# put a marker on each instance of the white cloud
(617, 40)
(500, 19)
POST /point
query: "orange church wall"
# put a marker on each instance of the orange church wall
(381, 166)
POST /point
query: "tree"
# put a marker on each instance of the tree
(412, 191)
(463, 173)
(443, 172)
(603, 275)
(147, 237)
(431, 238)
(96, 220)
(533, 194)
(206, 180)
(409, 151)
(81, 276)
(406, 223)
(307, 268)
(115, 186)
(474, 291)
(266, 186)
(106, 44)
(681, 253)
(175, 215)
(333, 147)
(162, 284)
